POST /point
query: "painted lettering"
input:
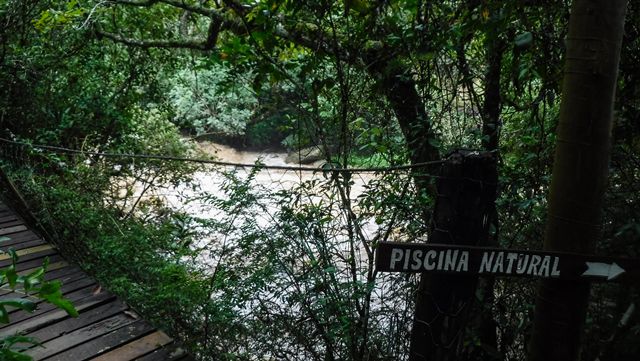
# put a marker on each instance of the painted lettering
(407, 256)
(498, 266)
(544, 267)
(463, 265)
(396, 256)
(555, 272)
(450, 260)
(487, 260)
(511, 257)
(521, 266)
(415, 264)
(533, 264)
(429, 263)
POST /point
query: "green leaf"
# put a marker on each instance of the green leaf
(524, 39)
(65, 305)
(20, 303)
(4, 315)
(12, 340)
(33, 278)
(6, 354)
(12, 276)
(51, 293)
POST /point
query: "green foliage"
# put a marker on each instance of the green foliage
(206, 101)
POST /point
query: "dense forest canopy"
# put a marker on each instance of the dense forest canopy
(288, 270)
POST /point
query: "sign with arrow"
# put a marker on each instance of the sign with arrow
(453, 259)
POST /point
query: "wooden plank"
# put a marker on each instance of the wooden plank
(32, 264)
(79, 281)
(80, 336)
(37, 262)
(68, 283)
(56, 315)
(167, 353)
(8, 217)
(23, 245)
(55, 265)
(26, 251)
(48, 314)
(64, 274)
(30, 257)
(137, 348)
(18, 315)
(11, 223)
(55, 262)
(86, 318)
(14, 229)
(20, 237)
(106, 341)
(28, 267)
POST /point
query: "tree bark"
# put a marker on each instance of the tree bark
(580, 170)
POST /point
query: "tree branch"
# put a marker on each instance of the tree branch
(196, 44)
(198, 9)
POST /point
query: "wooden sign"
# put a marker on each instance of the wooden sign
(439, 258)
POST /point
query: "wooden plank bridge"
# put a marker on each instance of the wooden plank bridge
(107, 329)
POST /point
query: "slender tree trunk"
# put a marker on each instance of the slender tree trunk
(412, 117)
(400, 90)
(580, 170)
(484, 325)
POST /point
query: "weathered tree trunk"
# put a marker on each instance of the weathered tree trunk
(580, 170)
(443, 303)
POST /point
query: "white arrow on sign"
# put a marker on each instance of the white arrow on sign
(611, 271)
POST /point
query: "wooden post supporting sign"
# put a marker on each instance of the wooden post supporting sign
(466, 188)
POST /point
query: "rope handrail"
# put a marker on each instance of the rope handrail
(222, 163)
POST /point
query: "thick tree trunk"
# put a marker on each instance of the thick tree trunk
(580, 170)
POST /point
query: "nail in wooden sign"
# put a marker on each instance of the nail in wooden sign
(481, 261)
